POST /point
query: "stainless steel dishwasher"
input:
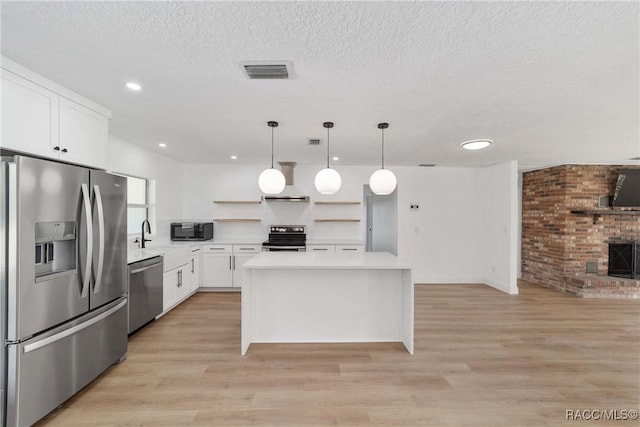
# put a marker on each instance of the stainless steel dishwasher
(145, 292)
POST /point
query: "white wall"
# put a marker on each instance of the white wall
(497, 192)
(165, 174)
(441, 240)
(240, 182)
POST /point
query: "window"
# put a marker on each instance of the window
(137, 203)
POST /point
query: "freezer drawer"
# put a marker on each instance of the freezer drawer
(48, 369)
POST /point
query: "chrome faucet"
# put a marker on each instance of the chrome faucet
(143, 240)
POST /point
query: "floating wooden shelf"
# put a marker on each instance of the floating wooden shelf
(237, 219)
(597, 213)
(337, 220)
(337, 203)
(239, 202)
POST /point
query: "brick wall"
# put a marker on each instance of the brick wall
(557, 243)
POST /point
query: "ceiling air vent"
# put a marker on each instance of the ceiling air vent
(426, 165)
(314, 141)
(267, 70)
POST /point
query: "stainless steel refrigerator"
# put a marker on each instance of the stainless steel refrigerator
(63, 278)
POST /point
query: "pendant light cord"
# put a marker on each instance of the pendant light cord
(382, 148)
(271, 148)
(327, 148)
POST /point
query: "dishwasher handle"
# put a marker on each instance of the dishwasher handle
(140, 270)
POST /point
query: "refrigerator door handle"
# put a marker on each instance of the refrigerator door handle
(98, 273)
(71, 331)
(87, 212)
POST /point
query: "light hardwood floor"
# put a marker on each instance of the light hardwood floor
(482, 358)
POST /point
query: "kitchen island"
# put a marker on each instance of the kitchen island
(307, 297)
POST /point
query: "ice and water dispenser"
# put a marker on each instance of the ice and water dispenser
(55, 247)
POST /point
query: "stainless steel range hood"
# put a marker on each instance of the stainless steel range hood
(287, 171)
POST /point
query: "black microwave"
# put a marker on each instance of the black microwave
(191, 230)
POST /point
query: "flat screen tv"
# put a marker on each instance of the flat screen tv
(627, 192)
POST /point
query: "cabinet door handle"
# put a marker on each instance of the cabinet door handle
(193, 270)
(64, 150)
(230, 262)
(234, 262)
(320, 249)
(349, 249)
(57, 148)
(246, 249)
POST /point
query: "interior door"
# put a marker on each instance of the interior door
(48, 202)
(109, 272)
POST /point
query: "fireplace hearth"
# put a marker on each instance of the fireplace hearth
(624, 259)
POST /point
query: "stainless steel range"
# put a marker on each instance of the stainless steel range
(289, 238)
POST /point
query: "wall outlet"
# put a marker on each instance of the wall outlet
(414, 206)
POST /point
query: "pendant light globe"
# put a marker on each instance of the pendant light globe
(271, 181)
(328, 180)
(383, 182)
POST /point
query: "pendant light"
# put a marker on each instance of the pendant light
(271, 181)
(383, 181)
(328, 180)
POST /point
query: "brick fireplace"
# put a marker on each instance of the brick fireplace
(568, 251)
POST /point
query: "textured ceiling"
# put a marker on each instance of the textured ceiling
(551, 83)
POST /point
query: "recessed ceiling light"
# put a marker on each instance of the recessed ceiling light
(234, 157)
(476, 144)
(336, 158)
(134, 86)
(162, 145)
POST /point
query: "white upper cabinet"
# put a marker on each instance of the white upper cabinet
(29, 116)
(83, 134)
(42, 118)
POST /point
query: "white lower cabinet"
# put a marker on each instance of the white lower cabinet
(335, 248)
(321, 248)
(238, 271)
(174, 286)
(216, 270)
(181, 275)
(194, 270)
(222, 264)
(349, 248)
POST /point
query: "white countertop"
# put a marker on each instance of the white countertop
(135, 255)
(162, 247)
(313, 260)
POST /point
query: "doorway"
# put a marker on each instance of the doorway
(381, 213)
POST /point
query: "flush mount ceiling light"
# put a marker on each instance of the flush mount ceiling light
(476, 144)
(328, 180)
(271, 181)
(336, 158)
(383, 181)
(234, 157)
(134, 86)
(162, 145)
